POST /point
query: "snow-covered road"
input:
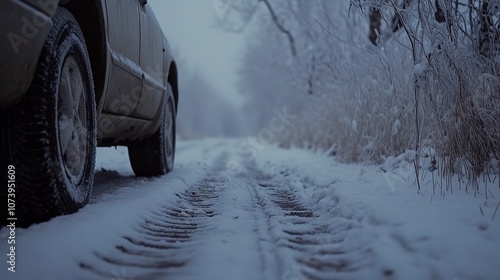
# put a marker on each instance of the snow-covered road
(232, 213)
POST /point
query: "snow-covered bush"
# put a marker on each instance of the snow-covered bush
(366, 113)
(462, 85)
(350, 97)
(464, 91)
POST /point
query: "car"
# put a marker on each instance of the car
(76, 75)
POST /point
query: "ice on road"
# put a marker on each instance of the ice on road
(225, 213)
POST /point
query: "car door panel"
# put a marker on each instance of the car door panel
(125, 83)
(151, 62)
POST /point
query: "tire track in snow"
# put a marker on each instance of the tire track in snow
(309, 245)
(161, 242)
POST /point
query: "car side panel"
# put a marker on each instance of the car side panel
(151, 61)
(24, 26)
(117, 123)
(125, 80)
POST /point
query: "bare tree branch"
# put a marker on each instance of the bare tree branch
(282, 29)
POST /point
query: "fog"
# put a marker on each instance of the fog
(208, 59)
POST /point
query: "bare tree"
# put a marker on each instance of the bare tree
(248, 8)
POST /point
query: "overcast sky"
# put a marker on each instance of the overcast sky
(192, 29)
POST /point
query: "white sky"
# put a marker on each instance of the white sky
(191, 27)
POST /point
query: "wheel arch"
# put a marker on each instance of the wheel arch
(173, 81)
(90, 15)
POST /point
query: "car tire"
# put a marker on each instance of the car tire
(49, 138)
(154, 155)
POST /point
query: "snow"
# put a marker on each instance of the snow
(418, 236)
(395, 127)
(286, 214)
(420, 68)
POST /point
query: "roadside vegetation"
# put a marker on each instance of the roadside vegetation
(380, 80)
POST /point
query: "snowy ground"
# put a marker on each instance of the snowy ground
(224, 213)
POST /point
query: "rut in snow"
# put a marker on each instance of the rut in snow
(162, 240)
(310, 244)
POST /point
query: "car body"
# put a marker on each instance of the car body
(129, 75)
(75, 75)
